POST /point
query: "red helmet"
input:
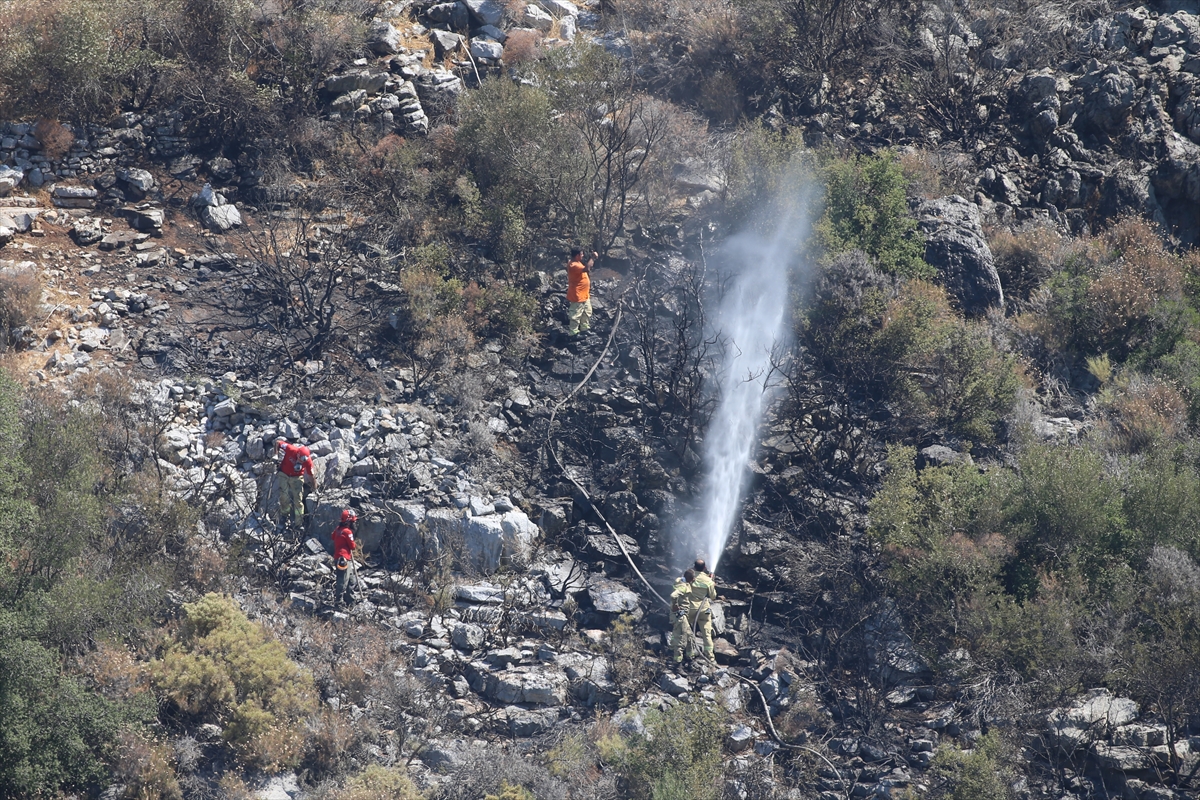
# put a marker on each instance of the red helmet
(349, 516)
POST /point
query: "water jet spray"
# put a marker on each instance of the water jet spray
(752, 316)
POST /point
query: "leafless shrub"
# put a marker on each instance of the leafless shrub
(483, 770)
(522, 46)
(1174, 573)
(20, 298)
(478, 441)
(55, 138)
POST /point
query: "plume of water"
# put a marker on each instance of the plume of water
(752, 317)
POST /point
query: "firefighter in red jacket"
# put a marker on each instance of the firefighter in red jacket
(295, 471)
(343, 559)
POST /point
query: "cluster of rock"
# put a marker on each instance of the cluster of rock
(391, 93)
(1063, 144)
(400, 88)
(116, 149)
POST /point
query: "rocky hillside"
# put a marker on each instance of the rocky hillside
(966, 565)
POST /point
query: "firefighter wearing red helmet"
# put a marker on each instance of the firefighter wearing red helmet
(343, 559)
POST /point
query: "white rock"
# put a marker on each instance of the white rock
(560, 8)
(535, 17)
(221, 218)
(566, 29)
(486, 49)
(493, 33)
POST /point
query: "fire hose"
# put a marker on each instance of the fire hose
(620, 544)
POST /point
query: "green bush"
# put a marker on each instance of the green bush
(54, 734)
(378, 783)
(866, 209)
(677, 758)
(224, 668)
(1115, 293)
(977, 774)
(903, 341)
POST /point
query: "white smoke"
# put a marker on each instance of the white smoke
(752, 317)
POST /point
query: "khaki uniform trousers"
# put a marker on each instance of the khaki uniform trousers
(291, 498)
(696, 620)
(580, 317)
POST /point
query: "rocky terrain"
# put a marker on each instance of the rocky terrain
(488, 573)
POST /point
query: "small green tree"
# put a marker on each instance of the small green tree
(866, 209)
(976, 774)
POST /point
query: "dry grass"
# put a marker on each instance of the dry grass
(1141, 411)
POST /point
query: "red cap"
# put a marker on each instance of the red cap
(349, 516)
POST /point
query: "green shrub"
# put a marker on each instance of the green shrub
(977, 774)
(54, 734)
(866, 209)
(1108, 295)
(511, 792)
(224, 668)
(903, 341)
(378, 783)
(678, 757)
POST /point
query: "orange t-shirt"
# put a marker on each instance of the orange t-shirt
(579, 285)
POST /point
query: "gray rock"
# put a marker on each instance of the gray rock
(554, 519)
(674, 685)
(480, 594)
(221, 218)
(620, 509)
(941, 455)
(1092, 718)
(6, 235)
(145, 219)
(956, 247)
(74, 193)
(1180, 29)
(524, 723)
(454, 15)
(221, 168)
(86, 231)
(486, 12)
(383, 38)
(137, 182)
(368, 81)
(538, 686)
(445, 42)
(566, 29)
(1108, 97)
(560, 8)
(493, 33)
(537, 18)
(740, 738)
(225, 408)
(18, 219)
(349, 101)
(1118, 758)
(10, 178)
(466, 636)
(487, 50)
(611, 597)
